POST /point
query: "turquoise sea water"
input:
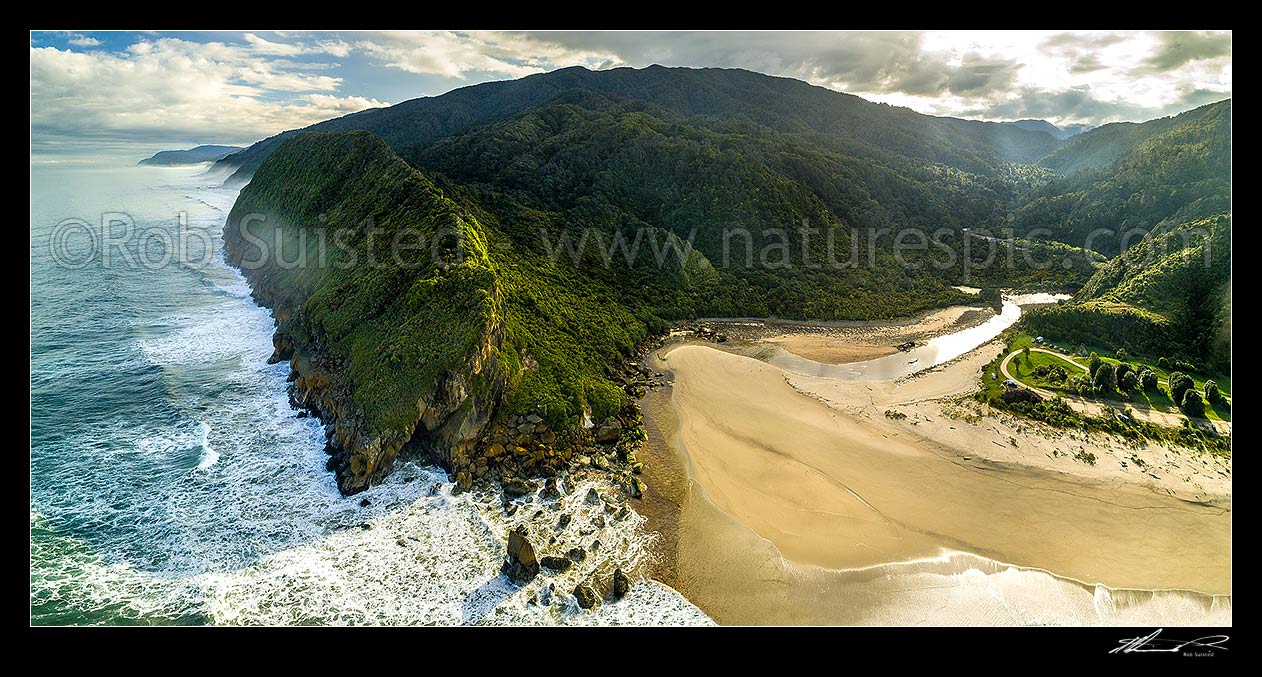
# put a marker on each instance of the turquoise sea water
(171, 482)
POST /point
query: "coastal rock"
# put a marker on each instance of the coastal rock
(550, 489)
(521, 567)
(586, 595)
(621, 584)
(555, 563)
(517, 487)
(609, 431)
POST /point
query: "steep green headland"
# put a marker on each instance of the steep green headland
(379, 351)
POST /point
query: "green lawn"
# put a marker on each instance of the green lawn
(1160, 400)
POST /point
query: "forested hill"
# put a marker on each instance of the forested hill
(1169, 295)
(739, 98)
(1109, 143)
(1135, 177)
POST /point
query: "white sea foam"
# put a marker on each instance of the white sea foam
(209, 455)
(425, 560)
(960, 588)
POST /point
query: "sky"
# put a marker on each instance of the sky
(128, 93)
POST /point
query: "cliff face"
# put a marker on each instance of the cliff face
(385, 301)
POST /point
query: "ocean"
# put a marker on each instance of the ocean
(172, 483)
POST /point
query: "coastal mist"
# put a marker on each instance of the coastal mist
(173, 483)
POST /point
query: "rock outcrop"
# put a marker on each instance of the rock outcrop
(521, 567)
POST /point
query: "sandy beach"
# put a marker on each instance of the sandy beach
(797, 485)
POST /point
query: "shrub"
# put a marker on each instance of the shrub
(1121, 353)
(1163, 363)
(1148, 379)
(1020, 395)
(1193, 405)
(1129, 381)
(1211, 392)
(1180, 383)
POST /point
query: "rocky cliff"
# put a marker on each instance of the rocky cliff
(384, 298)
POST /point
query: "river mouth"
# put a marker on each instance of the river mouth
(937, 350)
(741, 479)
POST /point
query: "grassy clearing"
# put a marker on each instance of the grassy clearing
(1023, 370)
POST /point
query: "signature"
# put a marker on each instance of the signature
(1155, 644)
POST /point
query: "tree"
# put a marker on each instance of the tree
(1121, 353)
(1025, 352)
(1163, 363)
(1193, 405)
(1104, 378)
(1095, 364)
(1211, 392)
(1180, 383)
(1128, 382)
(1121, 370)
(1148, 379)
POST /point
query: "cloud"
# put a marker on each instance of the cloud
(240, 87)
(175, 90)
(1061, 43)
(453, 55)
(1177, 48)
(1086, 63)
(1079, 103)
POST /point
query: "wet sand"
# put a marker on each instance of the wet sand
(880, 512)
